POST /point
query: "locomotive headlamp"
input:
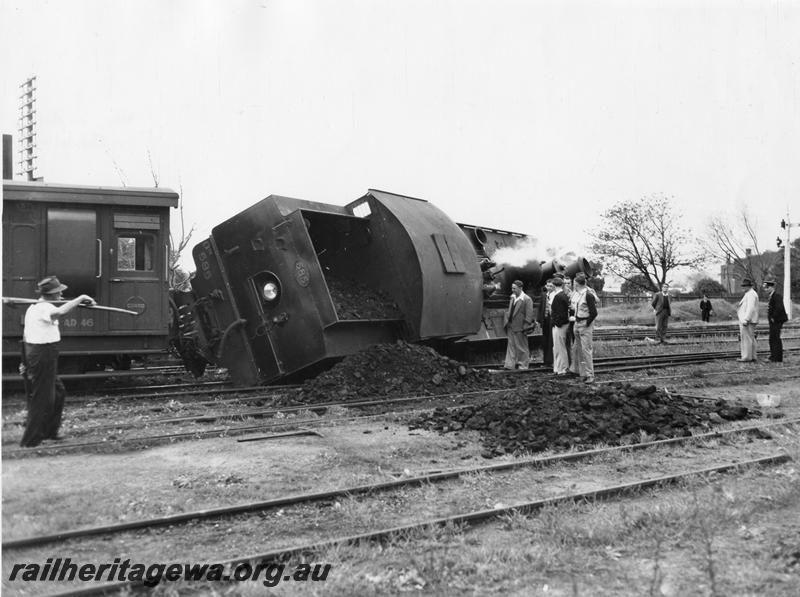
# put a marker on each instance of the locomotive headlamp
(270, 291)
(266, 288)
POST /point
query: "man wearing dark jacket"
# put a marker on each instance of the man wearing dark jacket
(559, 314)
(544, 318)
(517, 324)
(661, 308)
(776, 314)
(705, 309)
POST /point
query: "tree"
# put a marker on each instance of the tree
(709, 286)
(178, 278)
(636, 284)
(732, 239)
(596, 281)
(644, 238)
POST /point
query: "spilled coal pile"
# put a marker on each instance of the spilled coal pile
(558, 415)
(392, 370)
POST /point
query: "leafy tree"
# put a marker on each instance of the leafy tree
(708, 286)
(596, 281)
(637, 284)
(644, 238)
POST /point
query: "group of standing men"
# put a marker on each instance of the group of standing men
(567, 320)
(747, 314)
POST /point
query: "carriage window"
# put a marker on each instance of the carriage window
(135, 252)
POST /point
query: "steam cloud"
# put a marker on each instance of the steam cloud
(523, 252)
(526, 250)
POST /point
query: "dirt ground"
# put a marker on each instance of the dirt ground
(47, 494)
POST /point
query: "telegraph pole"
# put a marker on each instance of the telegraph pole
(787, 252)
(27, 132)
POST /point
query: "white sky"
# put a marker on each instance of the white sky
(521, 115)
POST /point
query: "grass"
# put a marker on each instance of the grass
(717, 536)
(682, 312)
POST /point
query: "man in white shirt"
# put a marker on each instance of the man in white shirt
(41, 337)
(748, 318)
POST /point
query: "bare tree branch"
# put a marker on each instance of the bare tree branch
(153, 172)
(733, 239)
(177, 277)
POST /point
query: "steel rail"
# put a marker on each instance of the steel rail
(227, 431)
(466, 519)
(230, 431)
(651, 378)
(641, 361)
(219, 432)
(297, 499)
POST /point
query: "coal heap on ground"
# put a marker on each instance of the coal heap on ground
(393, 369)
(554, 414)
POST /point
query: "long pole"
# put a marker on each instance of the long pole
(10, 300)
(787, 270)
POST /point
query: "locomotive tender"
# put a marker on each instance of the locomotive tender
(288, 286)
(107, 242)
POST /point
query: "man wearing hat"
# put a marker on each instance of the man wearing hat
(41, 337)
(748, 318)
(559, 314)
(662, 310)
(776, 314)
(517, 322)
(584, 307)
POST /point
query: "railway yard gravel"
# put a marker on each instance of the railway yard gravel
(722, 535)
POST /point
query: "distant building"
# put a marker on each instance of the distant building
(754, 266)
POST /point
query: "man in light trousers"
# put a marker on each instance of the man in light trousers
(748, 318)
(518, 322)
(583, 310)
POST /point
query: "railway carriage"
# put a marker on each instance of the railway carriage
(111, 243)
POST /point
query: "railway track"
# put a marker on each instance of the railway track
(764, 456)
(113, 442)
(172, 367)
(436, 477)
(14, 380)
(697, 331)
(636, 362)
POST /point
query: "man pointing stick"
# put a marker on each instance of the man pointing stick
(40, 343)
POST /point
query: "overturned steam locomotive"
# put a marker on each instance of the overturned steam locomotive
(288, 286)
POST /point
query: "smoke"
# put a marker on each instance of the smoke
(520, 254)
(527, 250)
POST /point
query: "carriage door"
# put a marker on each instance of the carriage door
(135, 266)
(72, 255)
